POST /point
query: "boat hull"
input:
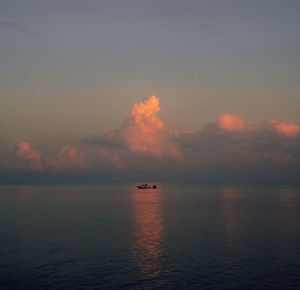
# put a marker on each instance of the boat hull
(146, 187)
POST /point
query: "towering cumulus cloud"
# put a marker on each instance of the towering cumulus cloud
(143, 131)
(142, 135)
(27, 158)
(142, 141)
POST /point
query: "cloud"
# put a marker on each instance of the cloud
(201, 26)
(232, 150)
(290, 130)
(168, 13)
(231, 122)
(114, 157)
(67, 159)
(17, 26)
(227, 150)
(27, 158)
(142, 132)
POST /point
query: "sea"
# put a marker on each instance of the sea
(178, 236)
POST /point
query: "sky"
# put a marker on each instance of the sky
(77, 80)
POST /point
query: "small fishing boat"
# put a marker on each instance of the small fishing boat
(145, 186)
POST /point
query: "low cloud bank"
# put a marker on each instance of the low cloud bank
(227, 150)
(67, 159)
(235, 150)
(26, 159)
(230, 149)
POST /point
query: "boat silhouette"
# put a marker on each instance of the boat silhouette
(146, 186)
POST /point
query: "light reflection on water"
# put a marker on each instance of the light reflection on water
(147, 231)
(229, 215)
(287, 217)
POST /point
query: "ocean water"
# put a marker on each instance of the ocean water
(174, 237)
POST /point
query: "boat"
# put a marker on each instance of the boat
(145, 186)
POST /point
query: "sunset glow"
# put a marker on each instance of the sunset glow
(288, 129)
(231, 122)
(150, 144)
(27, 158)
(148, 230)
(144, 131)
(143, 144)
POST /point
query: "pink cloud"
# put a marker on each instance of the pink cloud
(27, 158)
(68, 158)
(231, 122)
(227, 148)
(144, 132)
(287, 129)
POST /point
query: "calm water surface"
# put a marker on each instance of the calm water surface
(174, 237)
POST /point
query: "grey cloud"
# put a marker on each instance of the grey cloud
(247, 155)
(168, 13)
(17, 26)
(104, 141)
(201, 26)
